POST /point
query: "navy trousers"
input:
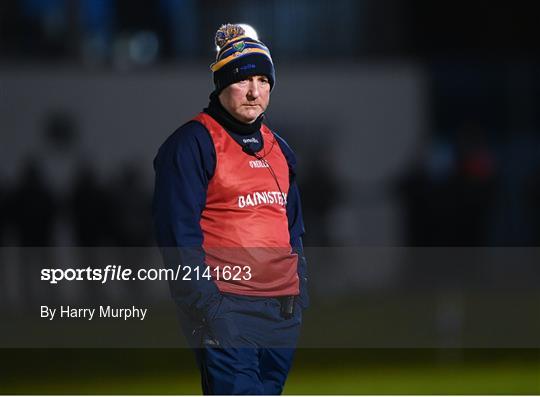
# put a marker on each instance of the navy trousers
(246, 346)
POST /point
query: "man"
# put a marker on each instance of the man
(227, 207)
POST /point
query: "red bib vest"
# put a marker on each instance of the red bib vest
(244, 222)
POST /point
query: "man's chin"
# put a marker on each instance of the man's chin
(248, 119)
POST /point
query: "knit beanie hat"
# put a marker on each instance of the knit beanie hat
(240, 57)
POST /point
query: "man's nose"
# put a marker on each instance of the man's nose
(253, 90)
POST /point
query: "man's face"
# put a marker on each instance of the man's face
(247, 99)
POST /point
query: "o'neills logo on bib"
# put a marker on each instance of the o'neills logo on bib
(258, 164)
(259, 198)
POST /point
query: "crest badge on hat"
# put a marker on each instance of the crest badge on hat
(240, 46)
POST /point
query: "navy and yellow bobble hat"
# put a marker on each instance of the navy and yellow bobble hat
(240, 57)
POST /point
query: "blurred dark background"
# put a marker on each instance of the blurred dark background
(416, 123)
(460, 166)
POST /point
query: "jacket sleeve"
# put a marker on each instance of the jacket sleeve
(183, 167)
(296, 222)
(296, 230)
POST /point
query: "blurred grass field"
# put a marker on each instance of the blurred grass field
(322, 371)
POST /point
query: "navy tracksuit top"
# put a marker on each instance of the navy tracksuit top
(184, 166)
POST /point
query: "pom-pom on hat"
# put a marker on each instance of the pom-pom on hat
(240, 57)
